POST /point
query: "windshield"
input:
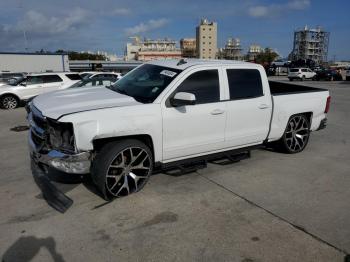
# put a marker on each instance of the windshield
(294, 70)
(146, 82)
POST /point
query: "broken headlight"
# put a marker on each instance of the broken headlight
(61, 136)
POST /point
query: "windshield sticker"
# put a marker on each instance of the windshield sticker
(168, 73)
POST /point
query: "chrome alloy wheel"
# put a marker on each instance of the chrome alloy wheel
(297, 133)
(128, 171)
(9, 102)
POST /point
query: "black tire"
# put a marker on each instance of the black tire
(9, 102)
(291, 79)
(295, 142)
(117, 173)
(348, 78)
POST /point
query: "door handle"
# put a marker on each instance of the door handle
(263, 106)
(217, 112)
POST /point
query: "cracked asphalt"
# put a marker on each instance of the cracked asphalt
(271, 207)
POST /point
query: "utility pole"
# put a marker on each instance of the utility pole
(20, 7)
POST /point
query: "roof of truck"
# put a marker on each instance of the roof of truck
(185, 63)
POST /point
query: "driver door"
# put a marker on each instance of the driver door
(195, 129)
(31, 87)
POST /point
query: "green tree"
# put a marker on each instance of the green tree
(81, 56)
(266, 57)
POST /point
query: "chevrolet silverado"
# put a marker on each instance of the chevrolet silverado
(169, 113)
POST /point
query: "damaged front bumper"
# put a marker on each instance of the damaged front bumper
(78, 163)
(40, 161)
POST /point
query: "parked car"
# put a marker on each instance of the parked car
(8, 78)
(300, 74)
(93, 82)
(91, 75)
(328, 75)
(168, 114)
(281, 62)
(347, 74)
(13, 94)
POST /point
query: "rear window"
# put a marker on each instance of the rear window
(294, 70)
(244, 83)
(51, 78)
(74, 76)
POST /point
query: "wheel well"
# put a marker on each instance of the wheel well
(10, 94)
(307, 114)
(146, 139)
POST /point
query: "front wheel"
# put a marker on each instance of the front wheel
(9, 102)
(296, 136)
(122, 168)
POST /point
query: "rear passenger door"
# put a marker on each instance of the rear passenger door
(51, 83)
(248, 108)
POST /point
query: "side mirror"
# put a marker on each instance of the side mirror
(183, 99)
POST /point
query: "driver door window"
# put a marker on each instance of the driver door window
(204, 85)
(34, 80)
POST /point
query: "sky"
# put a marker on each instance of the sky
(106, 25)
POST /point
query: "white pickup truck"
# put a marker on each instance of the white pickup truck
(169, 113)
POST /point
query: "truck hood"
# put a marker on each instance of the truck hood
(58, 103)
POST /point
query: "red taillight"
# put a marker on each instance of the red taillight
(328, 103)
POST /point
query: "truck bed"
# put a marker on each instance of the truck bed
(280, 88)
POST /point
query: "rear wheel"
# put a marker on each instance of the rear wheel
(122, 168)
(296, 136)
(9, 102)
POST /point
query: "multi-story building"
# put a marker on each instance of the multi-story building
(206, 39)
(253, 51)
(148, 49)
(310, 44)
(132, 49)
(188, 47)
(232, 50)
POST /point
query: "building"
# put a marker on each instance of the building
(33, 62)
(148, 49)
(310, 44)
(188, 47)
(132, 49)
(232, 50)
(253, 51)
(206, 39)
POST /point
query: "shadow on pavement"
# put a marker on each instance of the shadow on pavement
(27, 247)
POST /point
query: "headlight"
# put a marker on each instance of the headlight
(61, 136)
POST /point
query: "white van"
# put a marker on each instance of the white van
(14, 93)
